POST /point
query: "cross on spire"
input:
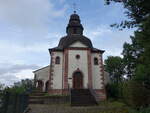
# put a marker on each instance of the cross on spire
(74, 7)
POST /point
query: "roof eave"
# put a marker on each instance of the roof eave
(54, 49)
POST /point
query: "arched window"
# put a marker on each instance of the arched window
(95, 61)
(57, 60)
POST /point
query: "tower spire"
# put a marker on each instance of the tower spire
(74, 8)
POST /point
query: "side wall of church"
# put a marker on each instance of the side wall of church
(96, 71)
(57, 71)
(42, 75)
(98, 77)
(78, 64)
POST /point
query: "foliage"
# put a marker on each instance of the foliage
(22, 86)
(143, 67)
(131, 52)
(1, 87)
(141, 110)
(135, 94)
(113, 91)
(15, 97)
(1, 92)
(115, 67)
(137, 12)
(137, 54)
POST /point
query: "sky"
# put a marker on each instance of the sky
(28, 28)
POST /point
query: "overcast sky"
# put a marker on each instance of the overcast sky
(29, 27)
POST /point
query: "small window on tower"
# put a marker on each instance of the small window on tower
(74, 31)
(95, 61)
(57, 60)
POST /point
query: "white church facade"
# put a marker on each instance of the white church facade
(75, 64)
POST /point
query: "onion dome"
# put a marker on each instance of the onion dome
(74, 26)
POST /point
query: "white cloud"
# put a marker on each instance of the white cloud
(98, 32)
(109, 39)
(16, 50)
(29, 13)
(28, 73)
(10, 73)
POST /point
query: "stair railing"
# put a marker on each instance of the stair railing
(69, 90)
(93, 93)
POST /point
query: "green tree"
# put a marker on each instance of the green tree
(115, 67)
(1, 87)
(143, 67)
(131, 52)
(138, 11)
(1, 90)
(137, 54)
(23, 86)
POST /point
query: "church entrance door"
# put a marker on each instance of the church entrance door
(77, 80)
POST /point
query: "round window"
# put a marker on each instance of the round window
(77, 56)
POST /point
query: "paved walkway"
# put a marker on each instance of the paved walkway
(62, 109)
(67, 109)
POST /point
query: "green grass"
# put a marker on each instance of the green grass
(112, 104)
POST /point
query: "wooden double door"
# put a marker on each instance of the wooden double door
(77, 80)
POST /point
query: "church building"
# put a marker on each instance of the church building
(74, 64)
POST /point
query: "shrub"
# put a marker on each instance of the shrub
(114, 90)
(135, 94)
(141, 110)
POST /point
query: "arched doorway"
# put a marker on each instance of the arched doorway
(40, 85)
(46, 86)
(78, 80)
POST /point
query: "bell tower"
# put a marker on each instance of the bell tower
(74, 27)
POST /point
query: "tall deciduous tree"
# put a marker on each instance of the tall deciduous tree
(137, 54)
(131, 53)
(115, 67)
(138, 11)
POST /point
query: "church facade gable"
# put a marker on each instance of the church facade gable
(78, 65)
(78, 44)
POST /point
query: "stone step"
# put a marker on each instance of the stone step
(36, 102)
(82, 97)
(37, 94)
(36, 97)
(83, 104)
(79, 98)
